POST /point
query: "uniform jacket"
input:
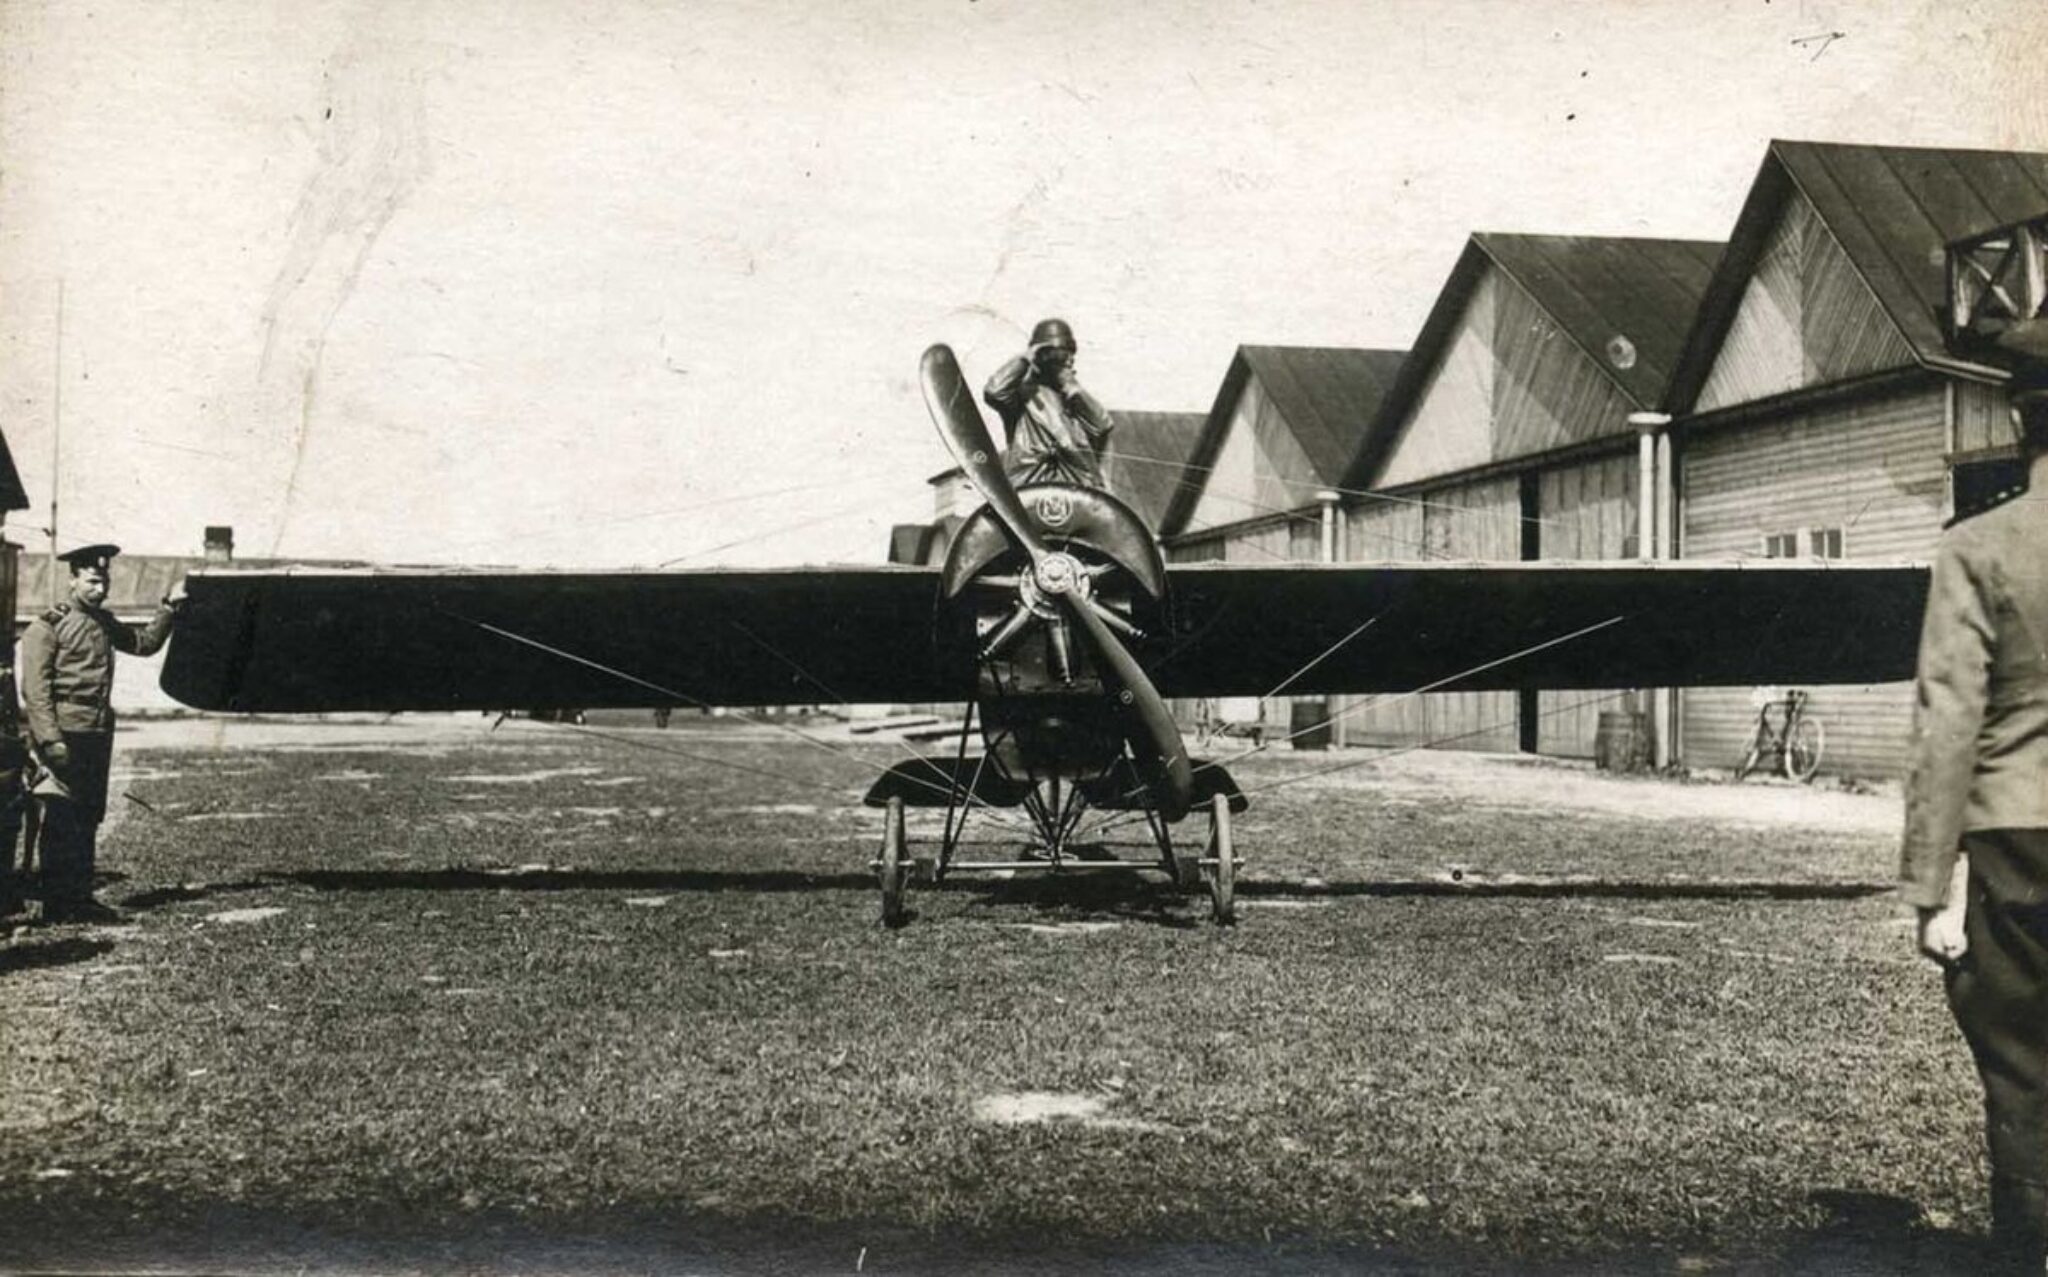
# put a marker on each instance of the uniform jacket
(1979, 757)
(1053, 434)
(67, 667)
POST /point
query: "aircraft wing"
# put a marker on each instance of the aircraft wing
(302, 639)
(1244, 629)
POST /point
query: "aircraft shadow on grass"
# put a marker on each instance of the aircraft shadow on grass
(1033, 888)
(1876, 1233)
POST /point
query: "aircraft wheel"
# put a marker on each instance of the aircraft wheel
(1222, 875)
(894, 870)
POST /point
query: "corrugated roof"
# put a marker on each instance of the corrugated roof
(12, 495)
(1596, 288)
(1328, 396)
(1148, 454)
(1893, 209)
(1646, 291)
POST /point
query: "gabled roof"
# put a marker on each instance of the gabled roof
(1893, 209)
(1148, 454)
(1329, 397)
(1597, 289)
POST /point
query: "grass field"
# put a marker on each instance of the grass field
(552, 1000)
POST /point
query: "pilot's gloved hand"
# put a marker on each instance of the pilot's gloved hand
(56, 753)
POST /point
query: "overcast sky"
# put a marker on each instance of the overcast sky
(626, 283)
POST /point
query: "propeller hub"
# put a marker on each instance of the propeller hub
(1058, 573)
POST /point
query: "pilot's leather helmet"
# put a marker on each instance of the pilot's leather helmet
(1053, 332)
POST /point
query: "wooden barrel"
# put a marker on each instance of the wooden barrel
(1308, 723)
(1622, 741)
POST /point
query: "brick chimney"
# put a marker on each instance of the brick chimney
(220, 545)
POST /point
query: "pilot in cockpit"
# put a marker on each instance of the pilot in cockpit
(1054, 430)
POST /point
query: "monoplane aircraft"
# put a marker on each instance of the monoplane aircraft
(1056, 619)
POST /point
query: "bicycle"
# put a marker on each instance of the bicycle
(1793, 744)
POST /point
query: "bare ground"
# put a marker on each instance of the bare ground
(424, 996)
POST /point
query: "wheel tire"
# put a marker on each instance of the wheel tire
(894, 870)
(1222, 875)
(1802, 751)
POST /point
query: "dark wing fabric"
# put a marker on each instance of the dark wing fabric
(300, 640)
(1243, 630)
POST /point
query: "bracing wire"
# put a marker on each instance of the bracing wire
(685, 698)
(1396, 751)
(1378, 701)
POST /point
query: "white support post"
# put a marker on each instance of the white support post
(1328, 500)
(1664, 700)
(1653, 541)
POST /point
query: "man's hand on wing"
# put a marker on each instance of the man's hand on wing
(56, 754)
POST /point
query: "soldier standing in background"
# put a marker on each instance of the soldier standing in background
(67, 684)
(1975, 855)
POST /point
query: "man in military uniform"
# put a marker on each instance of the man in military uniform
(1054, 429)
(1975, 855)
(67, 683)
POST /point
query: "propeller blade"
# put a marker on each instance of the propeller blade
(966, 434)
(1155, 740)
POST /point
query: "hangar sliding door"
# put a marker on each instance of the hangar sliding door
(1471, 521)
(1861, 480)
(1474, 521)
(1384, 529)
(1585, 511)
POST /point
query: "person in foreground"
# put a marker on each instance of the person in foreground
(67, 686)
(1975, 857)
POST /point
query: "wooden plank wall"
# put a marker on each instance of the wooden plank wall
(1384, 530)
(1983, 419)
(1806, 318)
(1547, 393)
(1450, 428)
(1474, 521)
(1588, 511)
(1874, 468)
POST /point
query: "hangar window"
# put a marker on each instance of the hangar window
(1825, 543)
(1781, 545)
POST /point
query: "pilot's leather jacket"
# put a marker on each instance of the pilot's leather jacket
(1979, 757)
(67, 667)
(1053, 434)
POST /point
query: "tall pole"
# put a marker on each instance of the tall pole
(1653, 452)
(56, 440)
